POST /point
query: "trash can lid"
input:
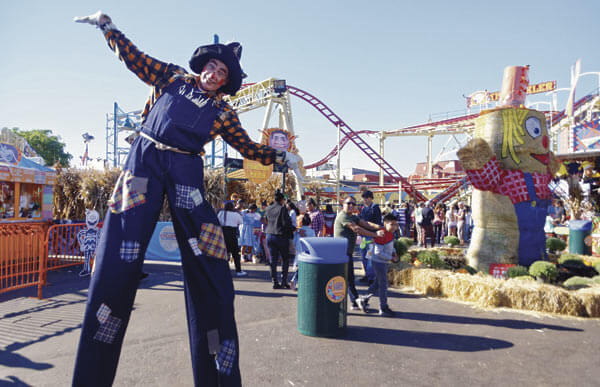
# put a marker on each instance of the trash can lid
(580, 225)
(323, 250)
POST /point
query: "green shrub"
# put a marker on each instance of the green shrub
(544, 270)
(577, 282)
(451, 240)
(407, 241)
(524, 278)
(400, 248)
(430, 258)
(516, 271)
(569, 257)
(406, 258)
(555, 244)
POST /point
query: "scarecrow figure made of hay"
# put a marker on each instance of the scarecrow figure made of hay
(509, 164)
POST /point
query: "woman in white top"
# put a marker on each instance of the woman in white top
(230, 220)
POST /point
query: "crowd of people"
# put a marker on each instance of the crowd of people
(270, 234)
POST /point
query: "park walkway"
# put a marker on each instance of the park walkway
(432, 342)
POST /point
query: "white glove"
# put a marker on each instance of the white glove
(292, 160)
(97, 19)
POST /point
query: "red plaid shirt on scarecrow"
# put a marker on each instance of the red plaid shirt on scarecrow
(510, 183)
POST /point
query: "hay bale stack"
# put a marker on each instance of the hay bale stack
(590, 299)
(488, 292)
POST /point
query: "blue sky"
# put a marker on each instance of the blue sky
(379, 66)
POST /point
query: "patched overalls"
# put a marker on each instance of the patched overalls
(181, 118)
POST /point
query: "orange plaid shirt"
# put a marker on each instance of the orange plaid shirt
(159, 75)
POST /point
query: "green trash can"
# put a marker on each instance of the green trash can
(580, 241)
(322, 286)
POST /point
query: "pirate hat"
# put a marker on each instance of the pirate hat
(229, 54)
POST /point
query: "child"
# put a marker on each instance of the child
(381, 252)
(303, 232)
(247, 235)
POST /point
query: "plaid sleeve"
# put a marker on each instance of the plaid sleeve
(486, 178)
(318, 222)
(228, 126)
(150, 70)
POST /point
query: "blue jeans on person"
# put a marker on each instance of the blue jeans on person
(367, 262)
(380, 286)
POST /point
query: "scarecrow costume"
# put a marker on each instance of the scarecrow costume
(178, 120)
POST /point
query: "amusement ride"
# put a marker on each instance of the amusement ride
(274, 95)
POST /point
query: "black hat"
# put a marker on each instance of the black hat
(229, 54)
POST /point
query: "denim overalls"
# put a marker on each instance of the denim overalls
(182, 117)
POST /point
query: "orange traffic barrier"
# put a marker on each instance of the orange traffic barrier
(63, 248)
(22, 256)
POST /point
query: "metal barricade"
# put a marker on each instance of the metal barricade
(63, 248)
(22, 256)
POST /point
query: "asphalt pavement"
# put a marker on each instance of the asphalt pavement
(430, 342)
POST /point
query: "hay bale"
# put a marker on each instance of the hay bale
(590, 299)
(489, 292)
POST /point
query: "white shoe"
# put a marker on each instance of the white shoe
(361, 304)
(241, 274)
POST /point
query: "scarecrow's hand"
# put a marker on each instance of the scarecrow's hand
(97, 19)
(475, 154)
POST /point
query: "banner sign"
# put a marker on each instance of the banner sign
(483, 97)
(163, 244)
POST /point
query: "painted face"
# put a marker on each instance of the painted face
(279, 141)
(213, 75)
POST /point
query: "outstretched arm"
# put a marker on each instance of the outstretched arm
(150, 70)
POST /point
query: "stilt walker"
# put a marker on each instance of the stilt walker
(184, 113)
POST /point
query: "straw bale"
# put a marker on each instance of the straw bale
(489, 292)
(590, 299)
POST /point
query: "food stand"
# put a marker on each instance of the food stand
(26, 187)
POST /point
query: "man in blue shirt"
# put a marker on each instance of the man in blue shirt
(369, 213)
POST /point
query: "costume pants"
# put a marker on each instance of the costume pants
(148, 175)
(279, 246)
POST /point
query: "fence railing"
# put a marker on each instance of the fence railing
(22, 256)
(29, 250)
(62, 246)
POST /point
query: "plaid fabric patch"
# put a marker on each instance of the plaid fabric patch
(125, 195)
(108, 330)
(103, 313)
(540, 182)
(194, 245)
(487, 178)
(211, 241)
(513, 185)
(196, 197)
(225, 359)
(130, 250)
(187, 197)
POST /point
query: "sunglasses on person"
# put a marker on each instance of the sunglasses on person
(350, 203)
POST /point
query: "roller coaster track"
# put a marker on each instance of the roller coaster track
(255, 95)
(353, 136)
